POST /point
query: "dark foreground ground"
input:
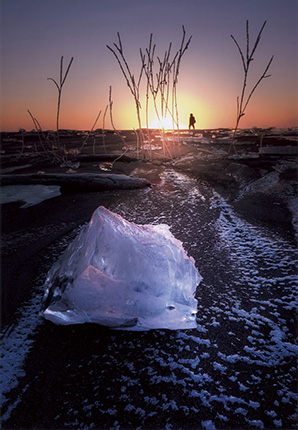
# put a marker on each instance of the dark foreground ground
(262, 190)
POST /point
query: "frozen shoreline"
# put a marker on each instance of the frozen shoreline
(236, 369)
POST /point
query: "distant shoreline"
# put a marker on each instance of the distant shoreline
(182, 130)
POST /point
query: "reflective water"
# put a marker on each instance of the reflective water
(236, 370)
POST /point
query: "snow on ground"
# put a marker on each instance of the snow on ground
(237, 369)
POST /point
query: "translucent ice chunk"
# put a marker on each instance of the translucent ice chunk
(123, 275)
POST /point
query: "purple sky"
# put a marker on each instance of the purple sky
(36, 33)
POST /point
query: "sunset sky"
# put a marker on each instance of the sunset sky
(36, 33)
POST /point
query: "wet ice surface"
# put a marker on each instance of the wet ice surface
(30, 195)
(236, 370)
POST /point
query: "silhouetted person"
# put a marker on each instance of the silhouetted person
(192, 121)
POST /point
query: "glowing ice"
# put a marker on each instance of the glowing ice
(123, 275)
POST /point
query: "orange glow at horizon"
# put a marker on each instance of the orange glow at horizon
(212, 103)
(214, 111)
(208, 116)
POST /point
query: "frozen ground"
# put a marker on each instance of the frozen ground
(237, 370)
(30, 195)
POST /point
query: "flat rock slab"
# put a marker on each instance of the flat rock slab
(78, 182)
(279, 150)
(104, 157)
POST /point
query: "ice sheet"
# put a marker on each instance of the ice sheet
(123, 275)
(29, 194)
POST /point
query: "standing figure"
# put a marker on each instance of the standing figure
(192, 121)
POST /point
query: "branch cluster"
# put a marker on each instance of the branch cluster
(161, 84)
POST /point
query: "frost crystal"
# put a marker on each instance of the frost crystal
(123, 275)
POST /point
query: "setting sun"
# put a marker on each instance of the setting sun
(166, 124)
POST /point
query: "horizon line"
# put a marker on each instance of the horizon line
(145, 129)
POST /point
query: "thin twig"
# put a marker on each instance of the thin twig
(52, 155)
(103, 128)
(89, 133)
(114, 128)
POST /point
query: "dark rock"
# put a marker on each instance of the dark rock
(78, 182)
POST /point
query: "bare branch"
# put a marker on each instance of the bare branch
(257, 40)
(241, 53)
(59, 88)
(51, 79)
(259, 81)
(247, 42)
(242, 105)
(120, 43)
(67, 70)
(61, 70)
